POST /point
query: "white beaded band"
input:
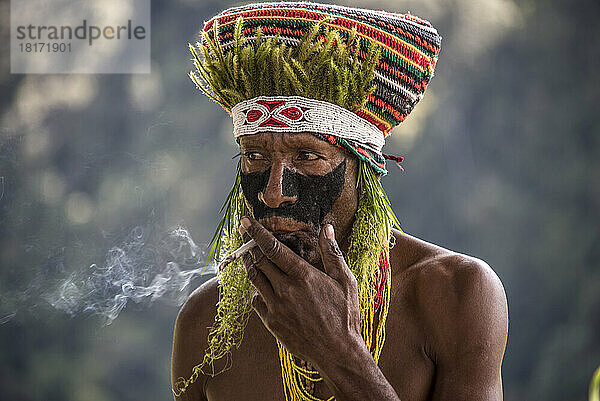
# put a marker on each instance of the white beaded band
(300, 114)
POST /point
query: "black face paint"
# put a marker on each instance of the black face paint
(315, 194)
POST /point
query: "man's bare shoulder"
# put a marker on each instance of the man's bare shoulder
(200, 307)
(455, 295)
(437, 270)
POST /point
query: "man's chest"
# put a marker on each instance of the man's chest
(255, 372)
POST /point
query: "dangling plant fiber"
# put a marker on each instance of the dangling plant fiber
(368, 250)
(323, 66)
(595, 386)
(231, 206)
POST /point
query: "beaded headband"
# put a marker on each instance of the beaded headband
(300, 114)
(408, 46)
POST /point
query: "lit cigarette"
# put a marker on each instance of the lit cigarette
(238, 253)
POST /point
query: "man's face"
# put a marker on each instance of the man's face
(294, 182)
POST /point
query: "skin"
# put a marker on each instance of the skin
(447, 324)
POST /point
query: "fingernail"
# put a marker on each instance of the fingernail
(329, 234)
(245, 222)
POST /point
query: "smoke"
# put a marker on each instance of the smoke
(8, 317)
(142, 267)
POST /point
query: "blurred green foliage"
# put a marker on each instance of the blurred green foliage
(502, 162)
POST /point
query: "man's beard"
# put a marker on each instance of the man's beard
(303, 243)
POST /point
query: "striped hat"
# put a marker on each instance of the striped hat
(409, 48)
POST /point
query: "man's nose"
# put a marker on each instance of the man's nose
(281, 189)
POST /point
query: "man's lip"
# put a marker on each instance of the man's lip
(284, 225)
(284, 231)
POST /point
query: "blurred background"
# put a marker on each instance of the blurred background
(502, 162)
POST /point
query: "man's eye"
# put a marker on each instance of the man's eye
(254, 156)
(307, 156)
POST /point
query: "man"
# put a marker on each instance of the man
(333, 302)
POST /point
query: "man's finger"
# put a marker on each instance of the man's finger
(333, 260)
(275, 276)
(282, 256)
(258, 279)
(260, 306)
(245, 236)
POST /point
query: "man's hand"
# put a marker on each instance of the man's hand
(314, 314)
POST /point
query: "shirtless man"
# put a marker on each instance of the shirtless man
(302, 154)
(447, 323)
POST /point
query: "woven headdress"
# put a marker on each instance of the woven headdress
(346, 75)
